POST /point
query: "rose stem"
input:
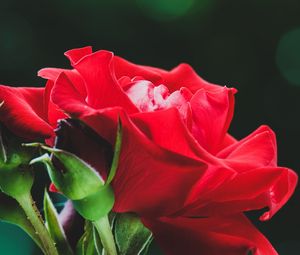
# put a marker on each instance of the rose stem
(103, 227)
(34, 217)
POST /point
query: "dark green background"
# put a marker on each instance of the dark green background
(251, 45)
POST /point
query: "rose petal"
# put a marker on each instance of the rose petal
(141, 94)
(52, 74)
(251, 190)
(212, 114)
(76, 79)
(123, 67)
(184, 76)
(232, 235)
(227, 141)
(102, 87)
(52, 188)
(256, 150)
(23, 112)
(166, 129)
(75, 55)
(54, 113)
(281, 192)
(67, 97)
(181, 76)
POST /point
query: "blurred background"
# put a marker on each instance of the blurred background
(251, 45)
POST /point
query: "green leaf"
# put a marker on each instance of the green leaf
(80, 246)
(117, 152)
(54, 227)
(132, 237)
(86, 244)
(11, 212)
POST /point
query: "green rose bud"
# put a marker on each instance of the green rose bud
(79, 181)
(16, 177)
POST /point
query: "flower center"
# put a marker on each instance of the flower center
(148, 97)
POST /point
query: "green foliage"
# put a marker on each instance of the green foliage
(132, 237)
(89, 244)
(97, 241)
(54, 227)
(16, 180)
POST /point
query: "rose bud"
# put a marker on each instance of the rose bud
(16, 177)
(80, 182)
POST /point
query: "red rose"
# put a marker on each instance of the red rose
(177, 159)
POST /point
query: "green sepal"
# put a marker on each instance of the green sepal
(86, 244)
(11, 212)
(76, 180)
(97, 241)
(145, 251)
(132, 237)
(117, 152)
(3, 153)
(96, 205)
(54, 227)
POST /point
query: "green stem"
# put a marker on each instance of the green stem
(35, 218)
(103, 227)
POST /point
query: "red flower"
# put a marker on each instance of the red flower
(177, 158)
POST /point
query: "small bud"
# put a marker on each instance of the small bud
(79, 181)
(76, 180)
(16, 177)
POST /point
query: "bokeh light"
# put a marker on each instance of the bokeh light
(288, 56)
